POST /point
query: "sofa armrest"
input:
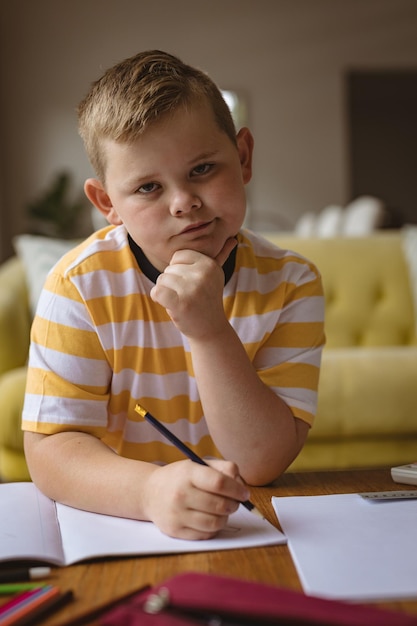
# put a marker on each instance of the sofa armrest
(15, 319)
(12, 458)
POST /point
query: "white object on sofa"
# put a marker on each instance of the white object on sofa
(38, 255)
(305, 225)
(362, 216)
(330, 221)
(359, 218)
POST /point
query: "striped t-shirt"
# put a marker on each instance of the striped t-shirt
(100, 345)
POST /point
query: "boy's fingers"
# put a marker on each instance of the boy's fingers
(225, 467)
(228, 482)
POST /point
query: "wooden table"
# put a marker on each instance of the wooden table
(97, 583)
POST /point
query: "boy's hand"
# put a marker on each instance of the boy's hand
(191, 501)
(191, 290)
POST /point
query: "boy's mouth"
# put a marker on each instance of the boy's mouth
(195, 228)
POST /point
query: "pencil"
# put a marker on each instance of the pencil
(17, 575)
(190, 454)
(93, 614)
(49, 607)
(26, 605)
(6, 589)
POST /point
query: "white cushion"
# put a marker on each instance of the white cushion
(329, 221)
(305, 226)
(38, 255)
(362, 216)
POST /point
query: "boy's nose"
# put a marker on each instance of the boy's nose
(183, 202)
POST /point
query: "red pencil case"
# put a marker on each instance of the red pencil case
(195, 598)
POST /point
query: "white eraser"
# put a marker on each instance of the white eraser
(36, 573)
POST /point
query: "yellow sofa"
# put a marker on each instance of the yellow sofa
(367, 410)
(367, 413)
(15, 320)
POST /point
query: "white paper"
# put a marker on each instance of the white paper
(348, 548)
(28, 524)
(33, 527)
(98, 535)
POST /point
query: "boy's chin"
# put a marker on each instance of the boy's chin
(211, 248)
(208, 250)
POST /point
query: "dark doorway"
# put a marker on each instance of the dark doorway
(382, 137)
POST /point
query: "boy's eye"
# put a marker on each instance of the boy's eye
(148, 188)
(203, 168)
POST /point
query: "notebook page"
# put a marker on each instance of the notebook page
(88, 535)
(28, 525)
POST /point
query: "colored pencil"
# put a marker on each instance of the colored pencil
(24, 604)
(6, 589)
(48, 608)
(32, 605)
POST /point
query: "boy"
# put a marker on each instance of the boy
(213, 330)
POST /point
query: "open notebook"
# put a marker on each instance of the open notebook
(35, 528)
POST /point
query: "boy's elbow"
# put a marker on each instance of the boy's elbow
(34, 453)
(271, 465)
(263, 476)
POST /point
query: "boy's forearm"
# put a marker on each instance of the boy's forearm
(249, 423)
(79, 470)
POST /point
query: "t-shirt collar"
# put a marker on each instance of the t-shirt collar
(152, 273)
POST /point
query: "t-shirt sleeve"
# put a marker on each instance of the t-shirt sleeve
(68, 371)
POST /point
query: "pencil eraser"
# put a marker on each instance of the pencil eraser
(36, 573)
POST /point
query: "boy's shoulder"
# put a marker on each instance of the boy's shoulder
(98, 251)
(260, 245)
(267, 256)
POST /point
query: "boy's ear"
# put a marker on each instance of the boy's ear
(245, 144)
(98, 196)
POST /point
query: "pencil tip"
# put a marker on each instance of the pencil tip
(257, 512)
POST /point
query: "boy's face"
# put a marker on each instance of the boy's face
(179, 186)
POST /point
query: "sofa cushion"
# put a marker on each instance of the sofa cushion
(366, 285)
(367, 393)
(12, 460)
(14, 315)
(410, 250)
(39, 254)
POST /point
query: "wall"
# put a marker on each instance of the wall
(287, 56)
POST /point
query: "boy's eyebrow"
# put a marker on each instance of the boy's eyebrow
(136, 180)
(204, 155)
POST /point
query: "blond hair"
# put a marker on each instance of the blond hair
(139, 91)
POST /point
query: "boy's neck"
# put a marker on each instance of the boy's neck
(152, 273)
